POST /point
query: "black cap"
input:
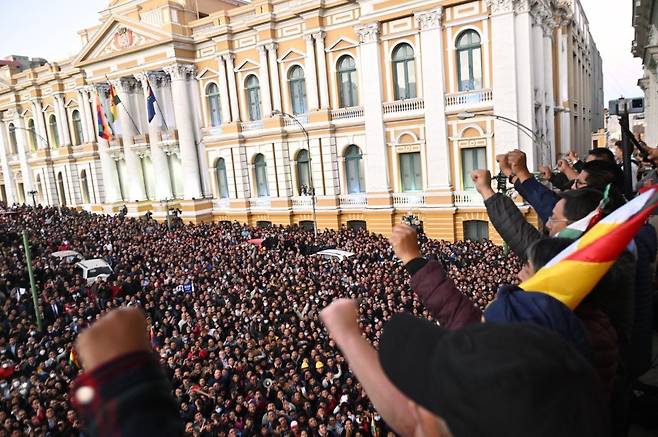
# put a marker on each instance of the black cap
(495, 379)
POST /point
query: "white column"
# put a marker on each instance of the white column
(83, 104)
(322, 69)
(89, 92)
(232, 86)
(376, 155)
(274, 71)
(264, 82)
(40, 124)
(563, 96)
(21, 143)
(183, 113)
(223, 91)
(436, 137)
(8, 176)
(124, 88)
(311, 75)
(550, 95)
(62, 119)
(539, 84)
(524, 78)
(163, 188)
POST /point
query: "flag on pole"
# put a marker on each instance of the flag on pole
(73, 358)
(104, 130)
(150, 103)
(571, 275)
(114, 101)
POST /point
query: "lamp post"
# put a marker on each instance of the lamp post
(33, 193)
(310, 190)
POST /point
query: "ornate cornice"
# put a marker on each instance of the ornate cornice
(180, 71)
(319, 35)
(271, 46)
(429, 20)
(124, 84)
(501, 6)
(368, 33)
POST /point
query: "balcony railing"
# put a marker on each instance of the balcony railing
(408, 200)
(289, 122)
(465, 199)
(352, 200)
(347, 113)
(260, 202)
(211, 131)
(220, 203)
(302, 202)
(404, 106)
(246, 126)
(469, 98)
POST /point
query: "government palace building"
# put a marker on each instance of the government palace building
(381, 108)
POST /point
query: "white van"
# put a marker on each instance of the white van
(70, 256)
(94, 268)
(334, 254)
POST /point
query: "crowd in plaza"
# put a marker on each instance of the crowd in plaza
(236, 325)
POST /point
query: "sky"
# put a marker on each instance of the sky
(48, 29)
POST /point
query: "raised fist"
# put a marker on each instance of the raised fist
(404, 240)
(517, 160)
(482, 181)
(504, 164)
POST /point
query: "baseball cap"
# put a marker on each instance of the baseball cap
(495, 379)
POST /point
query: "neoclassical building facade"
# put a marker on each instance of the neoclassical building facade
(645, 47)
(382, 106)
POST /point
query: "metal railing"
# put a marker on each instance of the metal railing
(347, 113)
(469, 98)
(402, 200)
(302, 202)
(467, 198)
(352, 200)
(407, 105)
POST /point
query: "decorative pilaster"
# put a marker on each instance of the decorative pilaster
(274, 72)
(322, 69)
(83, 104)
(311, 75)
(232, 86)
(265, 82)
(223, 91)
(180, 75)
(4, 162)
(62, 119)
(37, 109)
(21, 144)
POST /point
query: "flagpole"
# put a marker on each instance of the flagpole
(125, 109)
(157, 103)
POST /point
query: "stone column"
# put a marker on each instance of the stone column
(311, 75)
(376, 156)
(322, 69)
(232, 86)
(180, 74)
(4, 161)
(124, 88)
(62, 120)
(265, 82)
(22, 146)
(549, 27)
(89, 92)
(274, 72)
(83, 103)
(163, 189)
(40, 124)
(539, 82)
(431, 50)
(223, 91)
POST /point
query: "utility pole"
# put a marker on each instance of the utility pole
(33, 286)
(33, 193)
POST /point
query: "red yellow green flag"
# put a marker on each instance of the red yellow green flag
(571, 275)
(104, 130)
(114, 101)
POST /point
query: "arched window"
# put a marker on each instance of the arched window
(13, 147)
(260, 168)
(303, 170)
(84, 185)
(476, 230)
(222, 180)
(77, 127)
(52, 125)
(348, 94)
(297, 85)
(469, 61)
(253, 97)
(212, 96)
(62, 189)
(34, 144)
(353, 175)
(404, 72)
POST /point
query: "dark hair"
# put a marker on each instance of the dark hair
(542, 251)
(579, 203)
(602, 173)
(603, 154)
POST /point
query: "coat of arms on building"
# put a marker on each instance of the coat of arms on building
(122, 39)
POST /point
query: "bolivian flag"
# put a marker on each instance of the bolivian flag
(73, 358)
(571, 276)
(104, 130)
(114, 101)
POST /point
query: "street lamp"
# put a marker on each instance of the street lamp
(33, 193)
(521, 127)
(310, 190)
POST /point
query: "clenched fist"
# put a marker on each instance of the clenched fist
(504, 165)
(517, 160)
(482, 181)
(341, 319)
(405, 243)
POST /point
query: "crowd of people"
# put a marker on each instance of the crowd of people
(236, 325)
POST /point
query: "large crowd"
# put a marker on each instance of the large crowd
(236, 325)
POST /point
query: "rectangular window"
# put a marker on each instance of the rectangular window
(472, 159)
(410, 172)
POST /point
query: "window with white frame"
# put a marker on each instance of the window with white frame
(353, 174)
(222, 179)
(260, 170)
(469, 61)
(34, 144)
(52, 126)
(473, 158)
(404, 72)
(348, 94)
(77, 127)
(297, 86)
(212, 98)
(411, 175)
(476, 230)
(252, 87)
(303, 170)
(13, 143)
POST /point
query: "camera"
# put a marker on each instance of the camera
(415, 223)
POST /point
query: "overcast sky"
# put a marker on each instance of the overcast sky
(48, 29)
